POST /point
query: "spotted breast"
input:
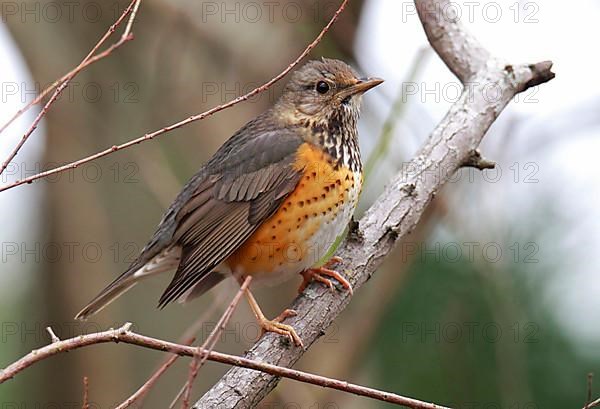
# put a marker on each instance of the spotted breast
(301, 232)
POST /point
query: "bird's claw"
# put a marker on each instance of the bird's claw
(282, 329)
(320, 273)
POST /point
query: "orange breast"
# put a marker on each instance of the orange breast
(300, 233)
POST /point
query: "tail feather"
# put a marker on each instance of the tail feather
(165, 261)
(108, 295)
(205, 284)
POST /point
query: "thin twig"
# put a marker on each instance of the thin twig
(64, 81)
(177, 397)
(475, 160)
(590, 377)
(592, 404)
(127, 31)
(210, 342)
(188, 338)
(193, 329)
(85, 404)
(193, 118)
(53, 336)
(73, 72)
(124, 334)
(589, 402)
(145, 388)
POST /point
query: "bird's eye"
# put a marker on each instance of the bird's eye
(322, 87)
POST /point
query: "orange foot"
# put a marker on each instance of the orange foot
(276, 326)
(320, 273)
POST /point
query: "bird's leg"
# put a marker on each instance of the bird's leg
(320, 273)
(274, 325)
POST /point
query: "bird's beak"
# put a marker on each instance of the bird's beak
(362, 86)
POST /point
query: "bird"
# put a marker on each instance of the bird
(270, 202)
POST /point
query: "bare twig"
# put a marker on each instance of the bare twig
(589, 402)
(69, 75)
(193, 118)
(592, 404)
(210, 342)
(145, 388)
(187, 338)
(398, 210)
(475, 160)
(590, 378)
(124, 334)
(53, 336)
(131, 10)
(86, 386)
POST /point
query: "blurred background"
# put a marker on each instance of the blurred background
(492, 303)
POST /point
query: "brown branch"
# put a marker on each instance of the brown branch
(53, 336)
(131, 10)
(592, 404)
(86, 386)
(85, 63)
(589, 402)
(193, 118)
(124, 334)
(398, 210)
(145, 388)
(209, 344)
(187, 338)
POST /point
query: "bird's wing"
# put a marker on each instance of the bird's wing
(244, 184)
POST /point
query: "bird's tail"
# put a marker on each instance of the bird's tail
(165, 261)
(108, 295)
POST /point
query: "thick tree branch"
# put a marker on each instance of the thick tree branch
(459, 49)
(397, 211)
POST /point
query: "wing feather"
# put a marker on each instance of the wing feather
(241, 197)
(218, 209)
(201, 259)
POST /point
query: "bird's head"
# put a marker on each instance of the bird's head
(323, 90)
